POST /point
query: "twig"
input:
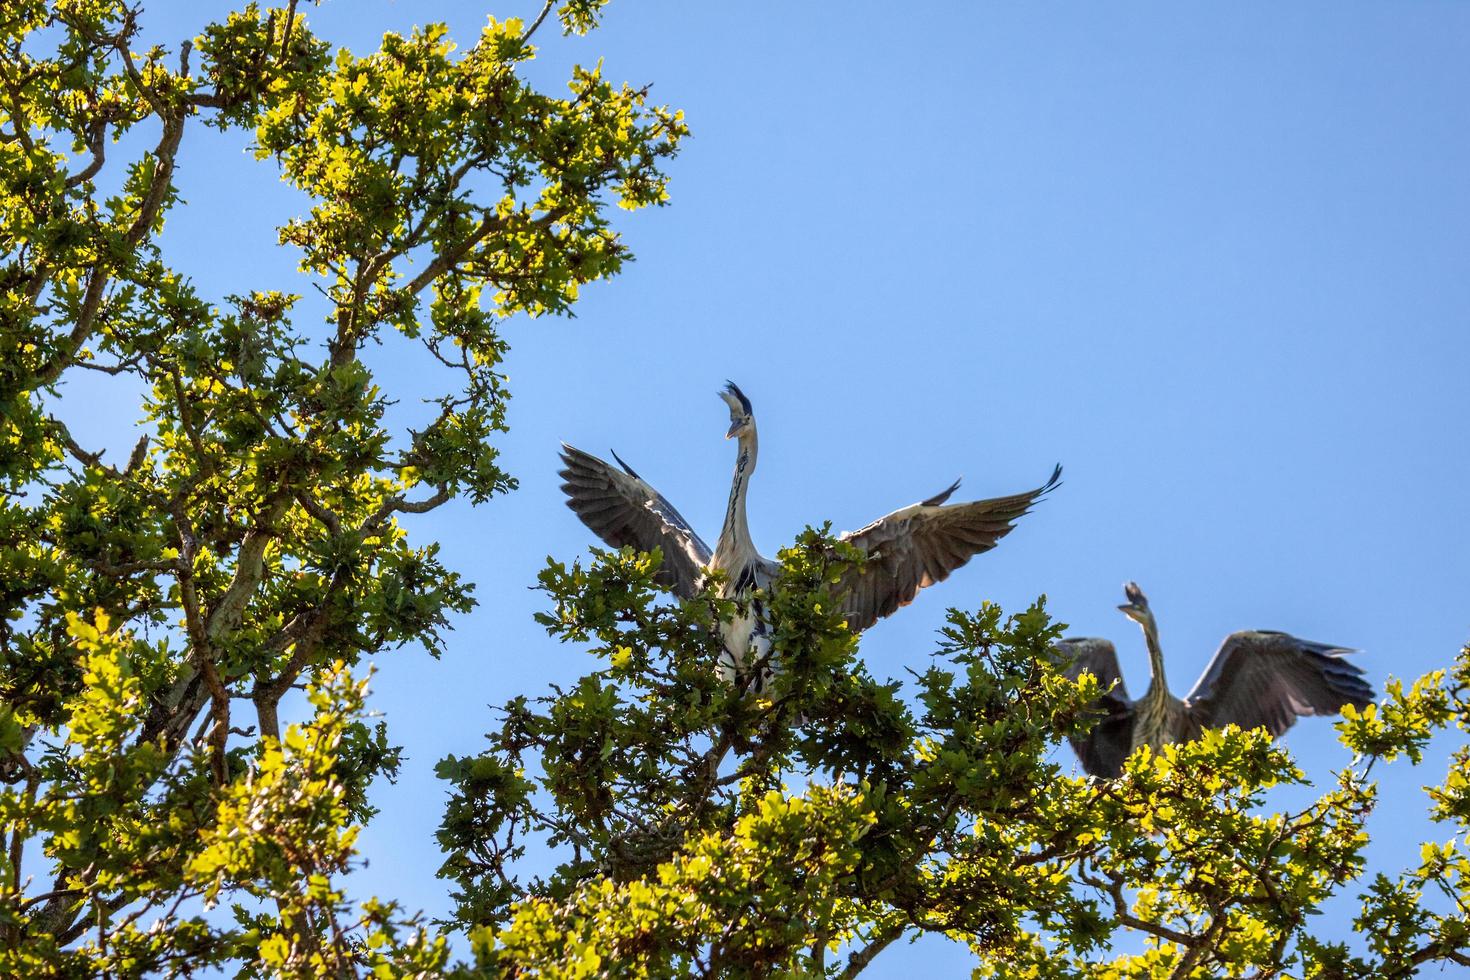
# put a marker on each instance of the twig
(537, 22)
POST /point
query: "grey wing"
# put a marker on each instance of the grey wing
(919, 545)
(1267, 679)
(1103, 749)
(622, 509)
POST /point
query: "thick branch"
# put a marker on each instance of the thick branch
(447, 260)
(286, 32)
(860, 959)
(249, 570)
(400, 505)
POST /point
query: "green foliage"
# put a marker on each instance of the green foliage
(802, 831)
(159, 611)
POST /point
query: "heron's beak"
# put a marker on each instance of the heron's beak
(735, 427)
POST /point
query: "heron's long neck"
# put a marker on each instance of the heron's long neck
(1158, 687)
(735, 536)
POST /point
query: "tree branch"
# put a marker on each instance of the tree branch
(164, 152)
(546, 9)
(249, 569)
(860, 959)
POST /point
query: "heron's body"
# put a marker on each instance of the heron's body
(1160, 720)
(1159, 717)
(1258, 678)
(908, 550)
(747, 637)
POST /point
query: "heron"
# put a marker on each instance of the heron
(908, 550)
(1257, 679)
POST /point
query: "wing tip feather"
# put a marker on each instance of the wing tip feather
(939, 498)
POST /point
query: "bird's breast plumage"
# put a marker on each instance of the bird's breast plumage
(747, 637)
(1160, 721)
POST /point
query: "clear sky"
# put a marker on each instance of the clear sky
(1215, 259)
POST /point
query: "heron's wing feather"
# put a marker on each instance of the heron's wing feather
(1091, 655)
(919, 545)
(1103, 749)
(1267, 679)
(622, 509)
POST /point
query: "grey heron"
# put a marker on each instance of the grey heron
(909, 549)
(1258, 678)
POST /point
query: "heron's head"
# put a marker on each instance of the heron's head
(1136, 608)
(742, 419)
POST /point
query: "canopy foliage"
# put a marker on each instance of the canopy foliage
(162, 814)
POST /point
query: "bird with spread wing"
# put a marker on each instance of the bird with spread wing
(1257, 679)
(906, 551)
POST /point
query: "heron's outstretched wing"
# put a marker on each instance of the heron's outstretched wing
(921, 544)
(622, 509)
(1103, 749)
(1267, 679)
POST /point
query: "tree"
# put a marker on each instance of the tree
(162, 816)
(711, 832)
(160, 609)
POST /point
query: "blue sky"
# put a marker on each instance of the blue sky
(1214, 259)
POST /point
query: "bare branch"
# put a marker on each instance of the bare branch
(860, 959)
(249, 569)
(286, 32)
(97, 146)
(539, 18)
(420, 506)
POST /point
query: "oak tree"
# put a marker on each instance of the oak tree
(706, 830)
(160, 606)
